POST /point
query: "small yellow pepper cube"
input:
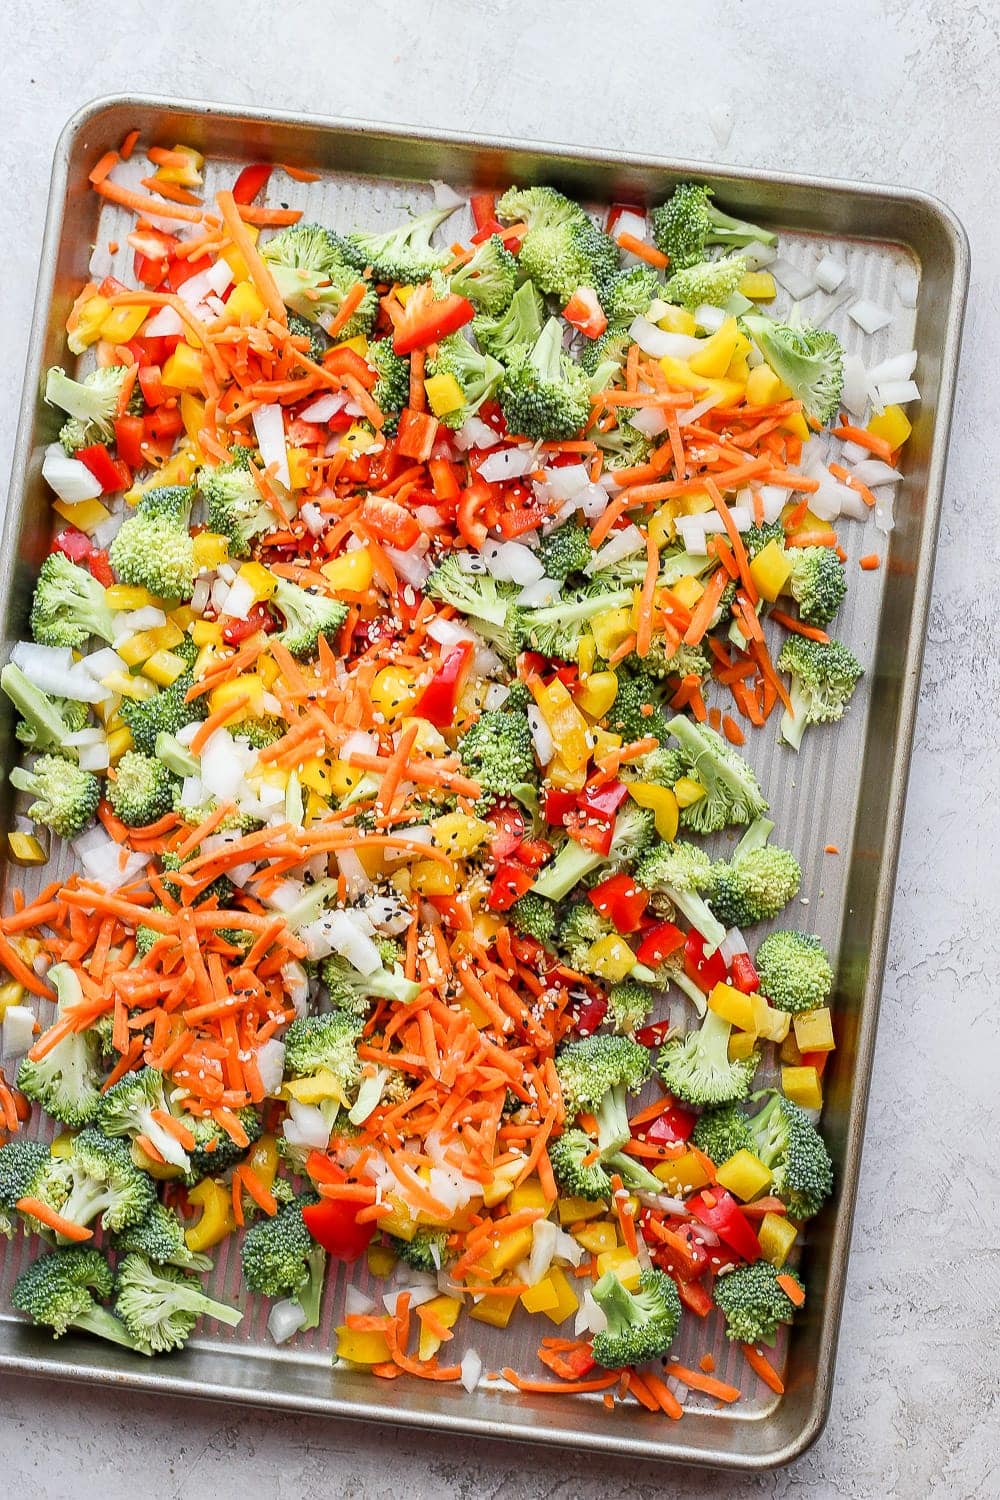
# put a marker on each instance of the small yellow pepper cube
(444, 394)
(677, 320)
(744, 1175)
(432, 879)
(299, 472)
(187, 174)
(229, 694)
(797, 425)
(459, 834)
(381, 1260)
(123, 323)
(210, 550)
(758, 286)
(85, 515)
(762, 386)
(802, 1086)
(684, 1175)
(506, 1253)
(244, 303)
(564, 779)
(789, 1052)
(814, 1030)
(393, 693)
(260, 579)
(183, 371)
(357, 345)
(528, 1194)
(216, 1222)
(192, 415)
(89, 321)
(892, 425)
(362, 1347)
(688, 791)
(398, 1223)
(493, 1309)
(661, 526)
(597, 1238)
(772, 1024)
(235, 259)
(166, 637)
(597, 694)
(688, 590)
(62, 1147)
(502, 1184)
(565, 723)
(446, 1311)
(139, 688)
(25, 849)
(206, 633)
(124, 596)
(716, 351)
(610, 628)
(119, 740)
(586, 654)
(662, 803)
(542, 1297)
(573, 1210)
(605, 742)
(623, 1264)
(770, 570)
(323, 1084)
(777, 1236)
(137, 648)
(163, 667)
(741, 1045)
(567, 1302)
(733, 1006)
(610, 958)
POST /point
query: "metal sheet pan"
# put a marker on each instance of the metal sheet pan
(847, 787)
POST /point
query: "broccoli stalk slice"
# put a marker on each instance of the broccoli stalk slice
(93, 401)
(756, 837)
(613, 1129)
(633, 1174)
(310, 1296)
(700, 915)
(67, 1080)
(46, 728)
(175, 756)
(104, 1325)
(732, 792)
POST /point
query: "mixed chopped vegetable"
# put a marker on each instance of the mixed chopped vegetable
(388, 675)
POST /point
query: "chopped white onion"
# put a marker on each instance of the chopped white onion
(296, 983)
(855, 392)
(650, 421)
(351, 941)
(269, 426)
(830, 273)
(511, 562)
(689, 414)
(472, 1369)
(565, 483)
(758, 255)
(448, 633)
(720, 121)
(475, 433)
(221, 765)
(665, 1203)
(869, 316)
(658, 343)
(884, 504)
(631, 222)
(410, 566)
(164, 324)
(201, 594)
(534, 595)
(445, 196)
(896, 367)
(873, 471)
(313, 517)
(625, 543)
(52, 669)
(692, 535)
(102, 861)
(907, 285)
(71, 479)
(101, 261)
(853, 505)
(797, 283)
(772, 499)
(240, 600)
(18, 1031)
(271, 1065)
(324, 407)
(541, 738)
(593, 501)
(509, 463)
(590, 1318)
(94, 757)
(898, 392)
(734, 943)
(356, 1304)
(305, 1125)
(710, 318)
(496, 695)
(285, 1319)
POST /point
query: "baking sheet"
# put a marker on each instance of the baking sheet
(846, 788)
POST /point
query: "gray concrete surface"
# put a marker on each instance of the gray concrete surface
(887, 90)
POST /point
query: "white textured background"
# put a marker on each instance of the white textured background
(887, 90)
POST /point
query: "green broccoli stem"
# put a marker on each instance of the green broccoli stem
(186, 1299)
(756, 837)
(86, 1200)
(713, 1040)
(793, 725)
(694, 994)
(769, 1130)
(582, 609)
(310, 1296)
(633, 1174)
(700, 915)
(37, 709)
(104, 1325)
(616, 1303)
(571, 865)
(613, 1130)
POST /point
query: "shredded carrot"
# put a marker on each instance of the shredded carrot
(643, 249)
(869, 562)
(707, 1384)
(762, 1366)
(52, 1220)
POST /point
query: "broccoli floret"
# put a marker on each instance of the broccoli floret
(45, 721)
(732, 794)
(489, 278)
(661, 766)
(581, 927)
(280, 1258)
(67, 1080)
(817, 583)
(236, 509)
(721, 1132)
(795, 973)
(556, 629)
(681, 872)
(562, 249)
(567, 1153)
(68, 607)
(60, 1291)
(93, 401)
(634, 832)
(755, 886)
(66, 798)
(318, 342)
(261, 731)
(636, 713)
(630, 294)
(427, 1251)
(823, 680)
(604, 358)
(596, 1074)
(308, 616)
(404, 254)
(810, 361)
(622, 446)
(28, 1171)
(752, 1302)
(391, 390)
(325, 1044)
(352, 992)
(497, 752)
(159, 1305)
(566, 550)
(642, 1324)
(164, 713)
(220, 890)
(159, 1236)
(142, 791)
(105, 1182)
(756, 538)
(629, 1003)
(313, 277)
(215, 1150)
(663, 659)
(696, 1067)
(153, 548)
(534, 917)
(517, 328)
(713, 282)
(545, 394)
(129, 1108)
(688, 223)
(145, 937)
(477, 375)
(789, 1144)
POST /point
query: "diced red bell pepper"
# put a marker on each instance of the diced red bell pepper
(130, 433)
(817, 1060)
(425, 319)
(148, 270)
(603, 801)
(720, 1212)
(163, 422)
(743, 974)
(621, 900)
(473, 501)
(519, 520)
(299, 434)
(439, 699)
(484, 208)
(100, 568)
(706, 972)
(591, 1013)
(659, 943)
(695, 1297)
(343, 361)
(593, 830)
(250, 181)
(390, 521)
(679, 1251)
(558, 805)
(585, 312)
(654, 1034)
(154, 392)
(533, 853)
(259, 617)
(508, 824)
(444, 479)
(674, 1124)
(416, 434)
(179, 271)
(73, 543)
(334, 1225)
(112, 474)
(509, 882)
(512, 242)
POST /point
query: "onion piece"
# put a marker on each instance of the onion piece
(797, 283)
(564, 483)
(271, 1065)
(896, 367)
(305, 1125)
(625, 543)
(855, 392)
(410, 566)
(285, 1319)
(654, 341)
(829, 273)
(18, 1031)
(649, 420)
(689, 414)
(324, 407)
(541, 737)
(269, 426)
(164, 324)
(898, 392)
(474, 433)
(356, 1304)
(710, 318)
(472, 1369)
(869, 316)
(94, 757)
(734, 943)
(445, 196)
(509, 463)
(873, 471)
(71, 479)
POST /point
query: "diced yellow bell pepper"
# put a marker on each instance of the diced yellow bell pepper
(597, 1238)
(502, 1184)
(444, 394)
(661, 525)
(343, 778)
(762, 386)
(542, 1297)
(85, 515)
(563, 779)
(166, 637)
(207, 632)
(137, 648)
(362, 1347)
(677, 320)
(597, 693)
(393, 693)
(25, 849)
(803, 1086)
(193, 416)
(299, 471)
(431, 878)
(684, 378)
(264, 1159)
(123, 323)
(210, 550)
(892, 425)
(758, 286)
(358, 345)
(609, 629)
(506, 1253)
(189, 175)
(216, 1222)
(567, 1302)
(741, 1045)
(586, 654)
(244, 303)
(663, 804)
(446, 1311)
(814, 1030)
(458, 834)
(228, 695)
(177, 470)
(565, 722)
(738, 369)
(381, 1260)
(139, 688)
(529, 1194)
(267, 670)
(688, 791)
(493, 1309)
(797, 425)
(733, 1006)
(235, 259)
(182, 370)
(358, 440)
(89, 320)
(260, 579)
(573, 1210)
(163, 668)
(399, 1223)
(683, 1175)
(605, 742)
(323, 1084)
(789, 1051)
(123, 596)
(62, 1147)
(688, 590)
(610, 958)
(713, 357)
(777, 1236)
(770, 570)
(316, 773)
(11, 993)
(623, 1264)
(119, 741)
(744, 1175)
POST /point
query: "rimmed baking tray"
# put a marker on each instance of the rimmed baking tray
(847, 788)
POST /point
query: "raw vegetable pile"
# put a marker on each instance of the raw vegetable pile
(369, 680)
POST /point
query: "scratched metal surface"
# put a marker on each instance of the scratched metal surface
(845, 788)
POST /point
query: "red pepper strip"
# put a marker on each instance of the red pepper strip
(509, 882)
(592, 830)
(558, 805)
(743, 974)
(727, 1219)
(391, 522)
(507, 821)
(675, 1124)
(603, 801)
(425, 319)
(621, 900)
(335, 1226)
(474, 499)
(706, 972)
(250, 181)
(111, 473)
(484, 209)
(439, 699)
(73, 543)
(659, 943)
